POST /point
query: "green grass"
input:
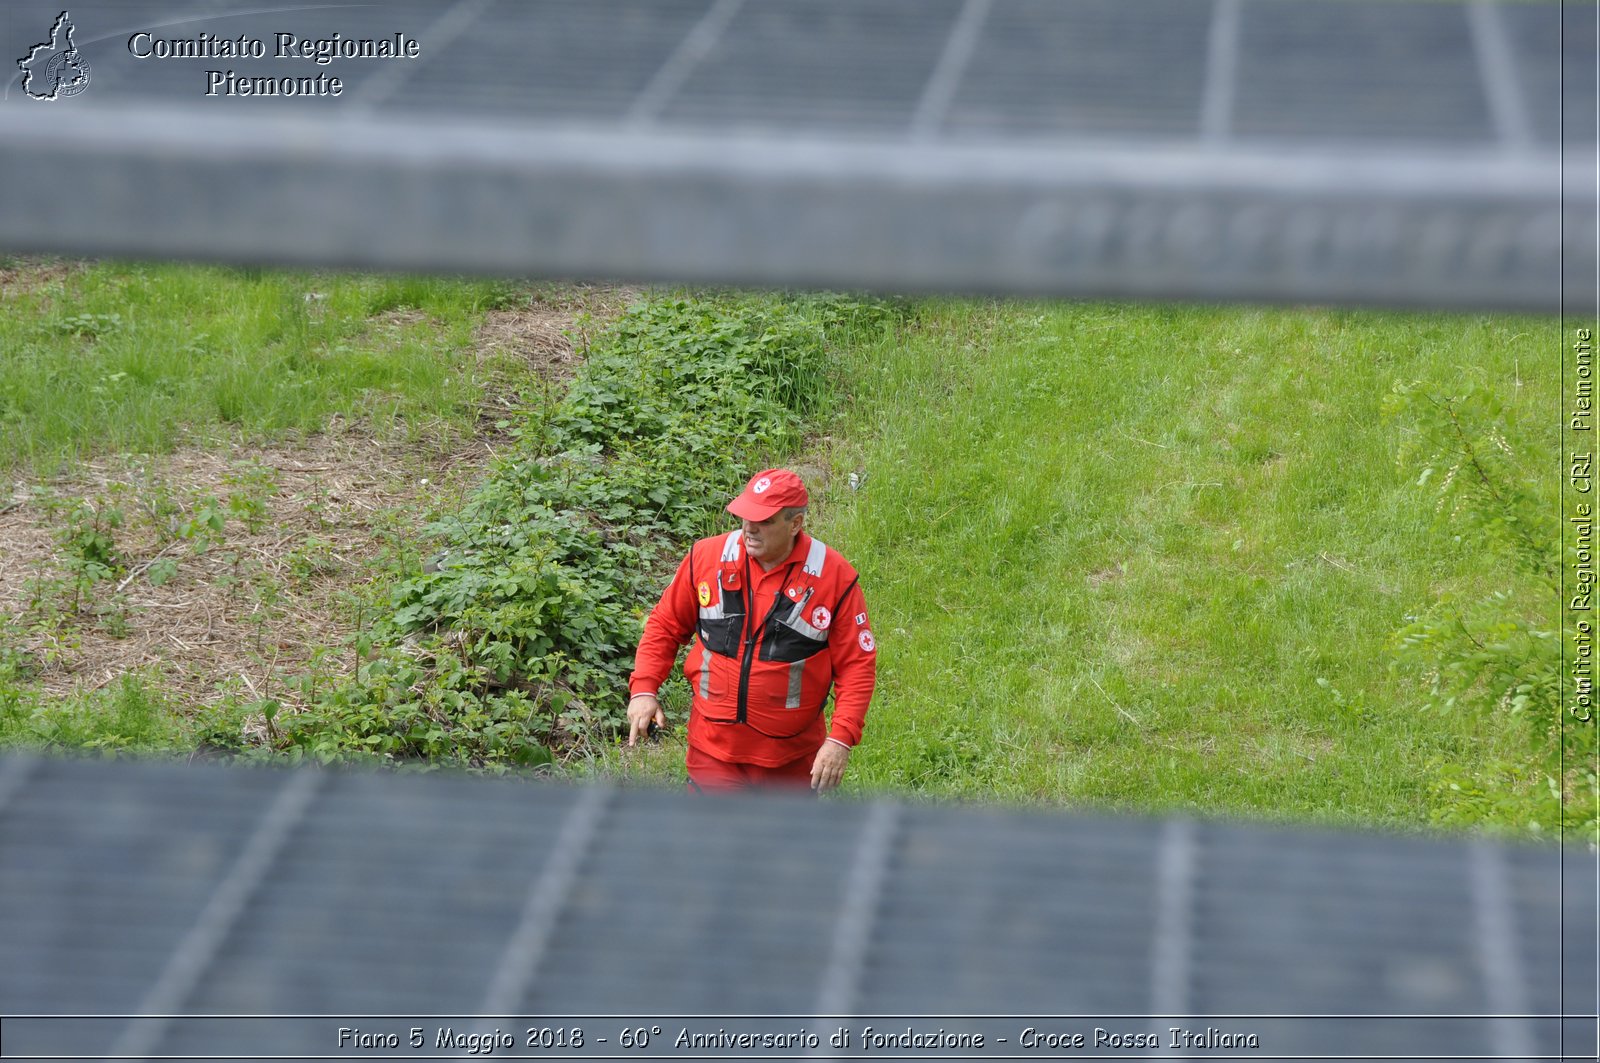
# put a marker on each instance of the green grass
(130, 357)
(1152, 557)
(1139, 557)
(132, 715)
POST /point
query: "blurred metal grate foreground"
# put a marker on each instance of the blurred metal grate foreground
(1382, 151)
(1427, 152)
(160, 889)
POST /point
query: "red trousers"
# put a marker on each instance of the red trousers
(707, 773)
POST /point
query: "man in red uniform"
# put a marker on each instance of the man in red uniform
(777, 619)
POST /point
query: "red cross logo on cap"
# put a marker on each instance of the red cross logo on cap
(768, 493)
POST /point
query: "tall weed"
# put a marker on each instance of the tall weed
(1499, 653)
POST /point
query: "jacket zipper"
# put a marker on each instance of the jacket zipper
(741, 715)
(741, 711)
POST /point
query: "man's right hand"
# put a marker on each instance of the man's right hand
(642, 708)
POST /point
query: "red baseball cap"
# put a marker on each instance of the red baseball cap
(767, 492)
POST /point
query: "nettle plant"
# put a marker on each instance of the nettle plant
(86, 555)
(520, 635)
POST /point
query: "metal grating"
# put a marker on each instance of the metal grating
(162, 889)
(1384, 151)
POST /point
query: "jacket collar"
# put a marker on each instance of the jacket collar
(734, 550)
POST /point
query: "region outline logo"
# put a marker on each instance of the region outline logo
(64, 73)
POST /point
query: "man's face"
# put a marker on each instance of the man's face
(769, 541)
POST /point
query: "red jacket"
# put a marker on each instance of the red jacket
(767, 648)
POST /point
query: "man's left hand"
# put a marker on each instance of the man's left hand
(828, 768)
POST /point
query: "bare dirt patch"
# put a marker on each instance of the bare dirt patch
(241, 606)
(546, 333)
(1107, 575)
(274, 592)
(19, 276)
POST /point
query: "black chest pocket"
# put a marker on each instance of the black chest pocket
(721, 625)
(790, 634)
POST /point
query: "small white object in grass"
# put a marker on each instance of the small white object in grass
(424, 481)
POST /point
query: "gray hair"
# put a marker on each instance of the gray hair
(791, 512)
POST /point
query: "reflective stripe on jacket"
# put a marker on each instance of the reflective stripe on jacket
(767, 648)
